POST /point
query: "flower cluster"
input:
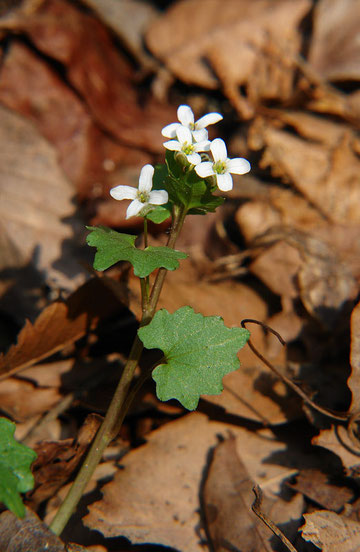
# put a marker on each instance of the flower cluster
(189, 137)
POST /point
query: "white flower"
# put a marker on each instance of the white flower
(142, 198)
(222, 166)
(185, 144)
(187, 119)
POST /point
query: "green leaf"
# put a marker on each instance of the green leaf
(113, 247)
(199, 351)
(186, 188)
(15, 474)
(159, 214)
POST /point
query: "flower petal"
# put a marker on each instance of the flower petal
(218, 149)
(123, 192)
(200, 135)
(185, 115)
(172, 145)
(209, 119)
(184, 135)
(193, 158)
(169, 131)
(204, 169)
(134, 208)
(145, 178)
(238, 165)
(224, 182)
(204, 145)
(158, 197)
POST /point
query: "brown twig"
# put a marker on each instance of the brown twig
(343, 417)
(256, 508)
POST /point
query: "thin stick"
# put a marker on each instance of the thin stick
(327, 412)
(256, 508)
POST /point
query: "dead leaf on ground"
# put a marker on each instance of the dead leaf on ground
(331, 532)
(60, 324)
(118, 13)
(27, 535)
(97, 70)
(321, 488)
(227, 497)
(327, 176)
(338, 441)
(22, 400)
(354, 379)
(86, 154)
(133, 507)
(56, 461)
(335, 49)
(35, 200)
(248, 44)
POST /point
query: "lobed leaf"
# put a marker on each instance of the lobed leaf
(113, 247)
(15, 473)
(199, 351)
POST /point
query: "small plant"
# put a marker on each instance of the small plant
(198, 351)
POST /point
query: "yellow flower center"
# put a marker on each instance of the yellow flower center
(143, 197)
(219, 167)
(187, 148)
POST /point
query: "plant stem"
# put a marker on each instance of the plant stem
(119, 404)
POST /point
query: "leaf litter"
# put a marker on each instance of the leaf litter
(77, 109)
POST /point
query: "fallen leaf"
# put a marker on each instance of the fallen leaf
(338, 441)
(22, 400)
(85, 153)
(248, 44)
(334, 50)
(56, 461)
(227, 498)
(354, 379)
(152, 501)
(60, 324)
(327, 176)
(331, 532)
(27, 535)
(118, 13)
(97, 70)
(330, 493)
(33, 193)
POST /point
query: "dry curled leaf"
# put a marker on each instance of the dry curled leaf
(60, 324)
(331, 532)
(335, 49)
(248, 44)
(27, 535)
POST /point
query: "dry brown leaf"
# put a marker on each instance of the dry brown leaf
(35, 198)
(118, 13)
(322, 489)
(22, 400)
(56, 461)
(338, 441)
(335, 49)
(354, 379)
(96, 69)
(248, 44)
(227, 497)
(155, 497)
(60, 324)
(327, 176)
(331, 532)
(27, 535)
(87, 156)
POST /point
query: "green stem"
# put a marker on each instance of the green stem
(120, 401)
